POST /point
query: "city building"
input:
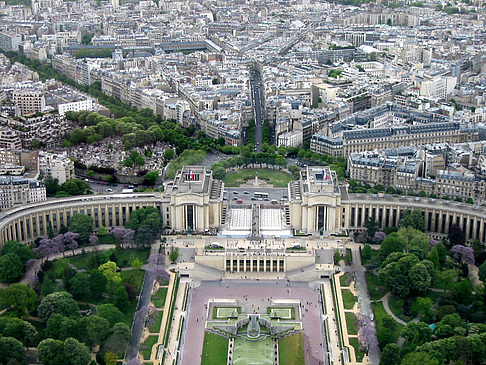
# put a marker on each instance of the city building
(57, 166)
(16, 192)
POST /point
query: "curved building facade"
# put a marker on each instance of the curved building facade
(193, 201)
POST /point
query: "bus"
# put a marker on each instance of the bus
(260, 195)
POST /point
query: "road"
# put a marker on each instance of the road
(256, 86)
(239, 193)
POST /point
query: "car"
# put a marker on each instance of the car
(225, 198)
(266, 199)
(235, 198)
(253, 198)
(109, 190)
(235, 192)
(285, 197)
(246, 192)
(131, 186)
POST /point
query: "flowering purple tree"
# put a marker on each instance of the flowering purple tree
(59, 240)
(70, 240)
(124, 235)
(48, 247)
(379, 237)
(93, 241)
(151, 316)
(129, 237)
(156, 269)
(463, 254)
(366, 332)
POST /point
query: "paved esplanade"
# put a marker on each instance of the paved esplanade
(263, 292)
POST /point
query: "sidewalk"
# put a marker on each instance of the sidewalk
(331, 321)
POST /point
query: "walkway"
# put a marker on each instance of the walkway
(364, 298)
(384, 299)
(330, 318)
(145, 294)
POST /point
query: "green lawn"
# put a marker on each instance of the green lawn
(124, 258)
(159, 297)
(345, 279)
(291, 350)
(348, 299)
(350, 323)
(155, 328)
(374, 288)
(380, 313)
(133, 277)
(215, 350)
(224, 312)
(274, 177)
(359, 354)
(146, 347)
(396, 306)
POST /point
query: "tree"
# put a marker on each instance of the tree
(392, 243)
(110, 271)
(371, 226)
(70, 240)
(482, 271)
(367, 252)
(150, 177)
(169, 154)
(110, 358)
(456, 235)
(419, 358)
(82, 224)
(11, 349)
(80, 285)
(136, 264)
(11, 268)
(76, 187)
(420, 278)
(76, 353)
(118, 339)
(93, 240)
(417, 333)
(24, 252)
(111, 313)
(59, 302)
(422, 306)
(390, 354)
(145, 235)
(97, 283)
(96, 329)
(19, 298)
(413, 219)
(51, 352)
(463, 254)
(121, 298)
(173, 254)
(48, 247)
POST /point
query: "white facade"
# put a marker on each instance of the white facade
(75, 106)
(58, 166)
(291, 139)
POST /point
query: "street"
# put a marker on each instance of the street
(258, 107)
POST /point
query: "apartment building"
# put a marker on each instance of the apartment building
(15, 191)
(9, 139)
(29, 101)
(57, 166)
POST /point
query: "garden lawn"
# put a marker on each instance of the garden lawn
(348, 299)
(291, 350)
(155, 328)
(215, 350)
(380, 313)
(359, 354)
(159, 298)
(146, 347)
(374, 287)
(124, 258)
(396, 306)
(345, 279)
(274, 177)
(350, 323)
